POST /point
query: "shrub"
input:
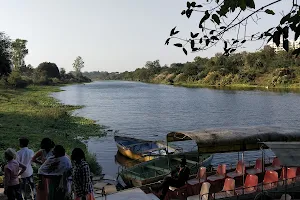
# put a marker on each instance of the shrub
(15, 80)
(212, 78)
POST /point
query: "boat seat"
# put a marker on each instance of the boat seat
(257, 168)
(221, 171)
(290, 175)
(157, 168)
(188, 161)
(250, 185)
(227, 191)
(276, 165)
(270, 180)
(200, 178)
(240, 169)
(204, 193)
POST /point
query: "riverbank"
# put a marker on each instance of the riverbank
(31, 112)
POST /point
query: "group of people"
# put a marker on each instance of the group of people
(57, 178)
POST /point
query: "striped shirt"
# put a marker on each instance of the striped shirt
(82, 179)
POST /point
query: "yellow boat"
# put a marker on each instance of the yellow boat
(141, 150)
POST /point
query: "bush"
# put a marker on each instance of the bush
(15, 80)
(212, 78)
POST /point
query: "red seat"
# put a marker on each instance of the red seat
(240, 169)
(221, 172)
(276, 165)
(250, 185)
(227, 191)
(270, 180)
(257, 169)
(290, 175)
(200, 178)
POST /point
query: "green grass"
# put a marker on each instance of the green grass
(32, 113)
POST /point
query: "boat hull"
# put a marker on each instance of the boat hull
(155, 170)
(128, 153)
(141, 150)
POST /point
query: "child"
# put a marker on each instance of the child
(11, 173)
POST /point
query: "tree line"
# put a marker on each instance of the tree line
(265, 67)
(15, 73)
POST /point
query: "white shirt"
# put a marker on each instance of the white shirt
(24, 156)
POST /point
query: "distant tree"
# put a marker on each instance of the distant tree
(5, 55)
(153, 66)
(78, 65)
(62, 72)
(228, 22)
(50, 69)
(19, 51)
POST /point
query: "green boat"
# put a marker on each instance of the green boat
(155, 170)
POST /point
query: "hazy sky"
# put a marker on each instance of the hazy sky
(110, 35)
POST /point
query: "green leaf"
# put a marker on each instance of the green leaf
(270, 12)
(205, 17)
(214, 37)
(211, 32)
(201, 40)
(178, 45)
(173, 32)
(216, 19)
(243, 41)
(297, 32)
(183, 12)
(194, 35)
(207, 41)
(185, 51)
(286, 44)
(276, 38)
(285, 18)
(167, 41)
(222, 27)
(285, 32)
(242, 4)
(250, 4)
(225, 45)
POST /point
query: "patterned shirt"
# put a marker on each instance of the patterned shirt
(82, 179)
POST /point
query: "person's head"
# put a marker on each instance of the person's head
(183, 162)
(47, 144)
(59, 151)
(77, 155)
(10, 154)
(23, 142)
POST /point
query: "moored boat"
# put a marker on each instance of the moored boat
(142, 150)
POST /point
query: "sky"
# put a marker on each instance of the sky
(110, 35)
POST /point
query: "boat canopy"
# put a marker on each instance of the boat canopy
(235, 139)
(287, 152)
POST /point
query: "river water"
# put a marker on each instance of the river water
(150, 111)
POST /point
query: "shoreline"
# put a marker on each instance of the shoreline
(32, 112)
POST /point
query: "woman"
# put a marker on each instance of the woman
(45, 152)
(55, 169)
(12, 187)
(81, 176)
(40, 157)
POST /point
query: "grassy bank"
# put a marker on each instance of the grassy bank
(31, 112)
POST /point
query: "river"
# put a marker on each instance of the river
(150, 111)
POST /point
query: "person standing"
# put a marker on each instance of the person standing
(24, 156)
(56, 169)
(11, 175)
(40, 157)
(81, 176)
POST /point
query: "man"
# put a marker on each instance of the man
(177, 179)
(24, 156)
